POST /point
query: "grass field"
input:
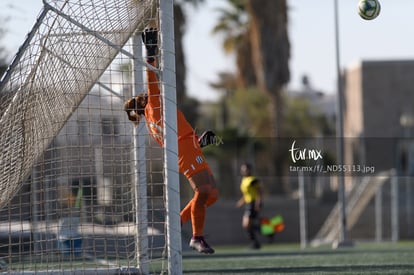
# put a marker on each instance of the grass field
(362, 258)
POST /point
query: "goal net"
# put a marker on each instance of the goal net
(81, 189)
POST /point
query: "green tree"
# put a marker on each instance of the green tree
(303, 121)
(233, 26)
(256, 31)
(270, 52)
(186, 104)
(245, 107)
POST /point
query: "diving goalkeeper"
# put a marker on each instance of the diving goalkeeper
(191, 161)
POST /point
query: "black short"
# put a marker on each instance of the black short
(250, 210)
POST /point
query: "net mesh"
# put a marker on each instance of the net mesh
(67, 173)
(55, 70)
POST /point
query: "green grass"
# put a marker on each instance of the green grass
(362, 258)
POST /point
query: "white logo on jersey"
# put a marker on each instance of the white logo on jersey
(199, 159)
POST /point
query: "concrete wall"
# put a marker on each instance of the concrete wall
(377, 94)
(223, 224)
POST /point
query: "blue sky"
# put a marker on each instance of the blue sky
(311, 31)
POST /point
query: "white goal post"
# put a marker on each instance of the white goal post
(83, 190)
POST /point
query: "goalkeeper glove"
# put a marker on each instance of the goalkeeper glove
(206, 138)
(150, 39)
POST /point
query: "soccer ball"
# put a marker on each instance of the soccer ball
(369, 9)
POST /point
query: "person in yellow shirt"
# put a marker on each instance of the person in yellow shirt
(252, 201)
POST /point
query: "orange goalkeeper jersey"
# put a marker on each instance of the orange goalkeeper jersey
(190, 158)
(153, 113)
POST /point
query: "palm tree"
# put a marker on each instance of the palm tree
(233, 24)
(186, 104)
(256, 31)
(270, 51)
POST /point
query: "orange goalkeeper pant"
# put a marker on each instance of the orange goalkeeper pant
(196, 209)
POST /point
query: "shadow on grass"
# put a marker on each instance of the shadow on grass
(388, 269)
(253, 253)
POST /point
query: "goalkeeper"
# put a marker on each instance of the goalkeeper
(191, 161)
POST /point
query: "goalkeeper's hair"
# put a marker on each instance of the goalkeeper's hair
(135, 107)
(136, 103)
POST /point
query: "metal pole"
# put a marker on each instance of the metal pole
(378, 215)
(407, 122)
(168, 88)
(394, 207)
(408, 186)
(35, 214)
(302, 211)
(140, 170)
(340, 133)
(408, 204)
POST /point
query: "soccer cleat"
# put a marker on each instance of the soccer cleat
(199, 244)
(206, 138)
(255, 245)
